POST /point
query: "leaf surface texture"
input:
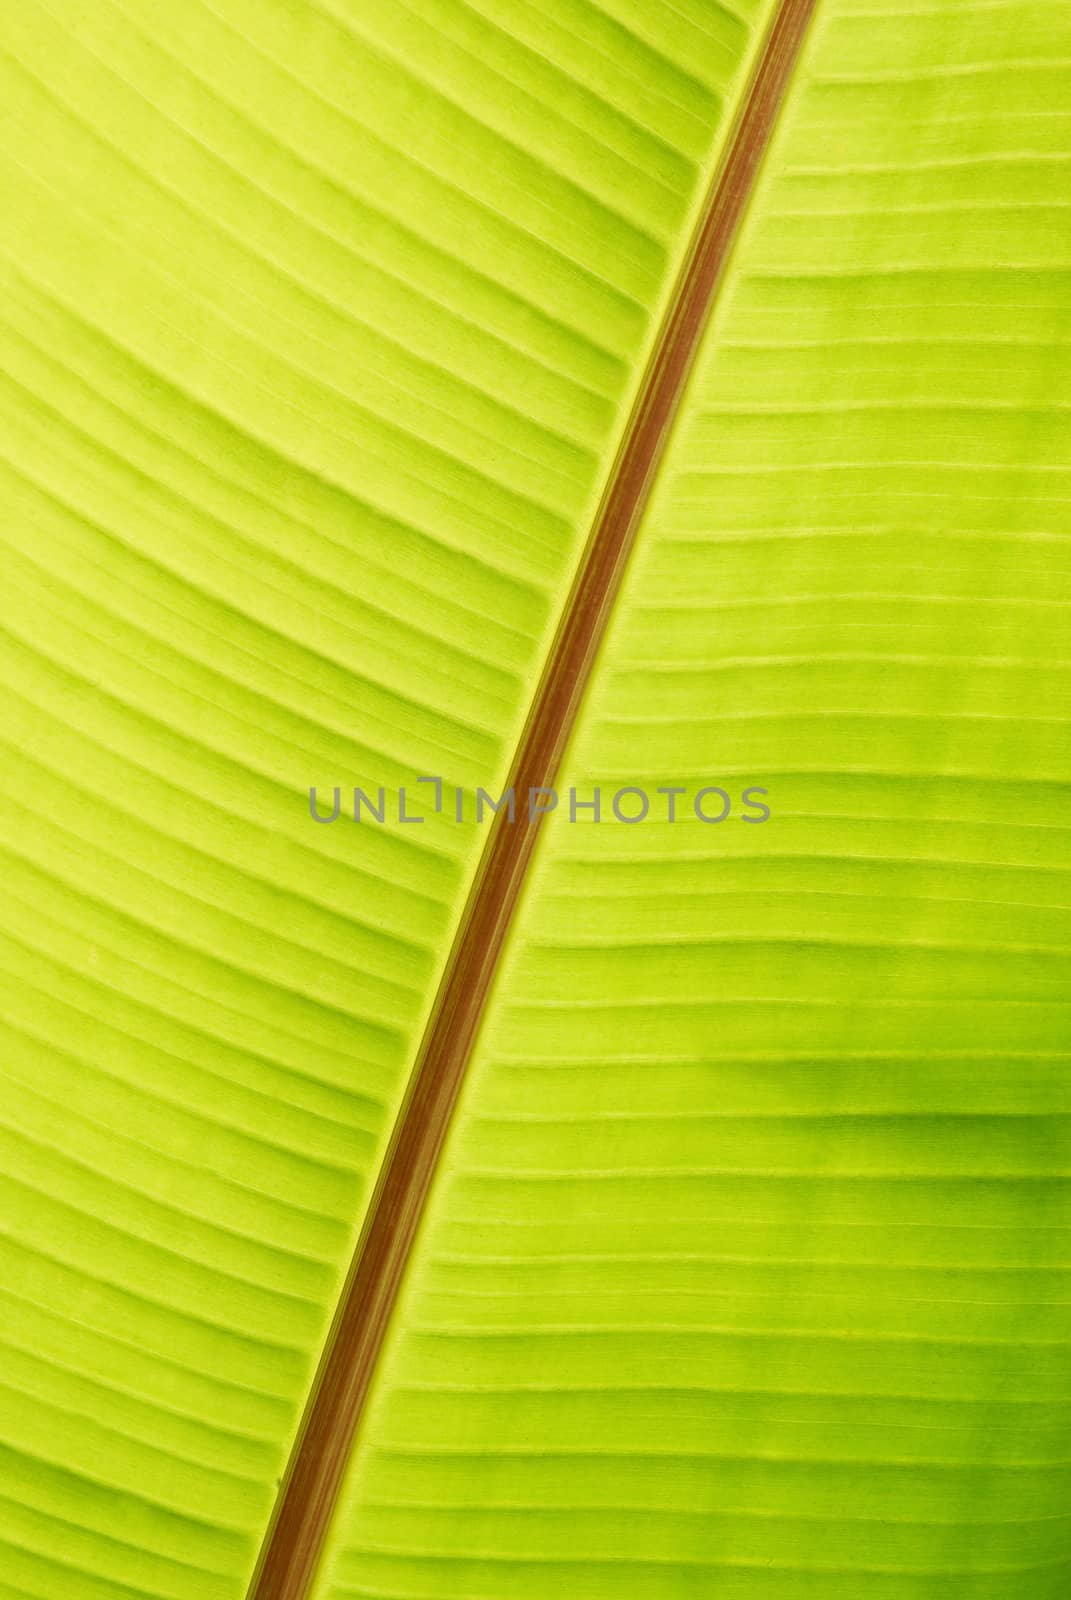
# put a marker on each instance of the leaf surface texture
(745, 1271)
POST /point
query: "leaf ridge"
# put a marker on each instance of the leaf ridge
(295, 1537)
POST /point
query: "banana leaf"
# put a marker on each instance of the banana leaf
(745, 1265)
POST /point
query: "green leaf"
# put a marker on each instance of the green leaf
(745, 1267)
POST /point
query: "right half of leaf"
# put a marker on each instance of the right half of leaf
(747, 1273)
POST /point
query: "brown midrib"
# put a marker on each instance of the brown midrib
(310, 1489)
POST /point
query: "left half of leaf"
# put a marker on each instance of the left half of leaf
(320, 323)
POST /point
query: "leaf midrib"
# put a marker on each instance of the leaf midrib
(309, 1490)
